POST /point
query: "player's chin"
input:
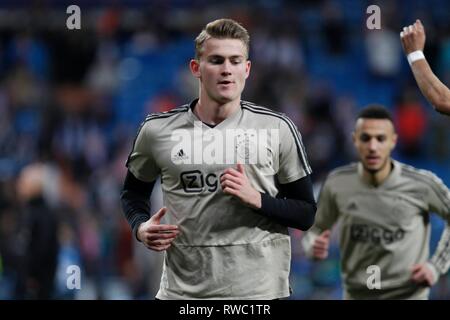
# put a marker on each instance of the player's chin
(371, 167)
(230, 93)
(225, 98)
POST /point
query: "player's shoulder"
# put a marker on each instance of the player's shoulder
(259, 109)
(417, 175)
(262, 111)
(157, 119)
(343, 171)
(168, 114)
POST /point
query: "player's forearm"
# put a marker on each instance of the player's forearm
(292, 213)
(136, 210)
(297, 209)
(135, 201)
(432, 88)
(441, 257)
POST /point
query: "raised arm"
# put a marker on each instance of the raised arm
(413, 42)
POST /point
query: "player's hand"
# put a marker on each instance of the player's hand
(236, 183)
(423, 275)
(321, 245)
(413, 37)
(156, 236)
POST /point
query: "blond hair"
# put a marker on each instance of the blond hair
(222, 29)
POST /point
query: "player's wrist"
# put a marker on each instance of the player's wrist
(415, 56)
(138, 230)
(433, 271)
(256, 201)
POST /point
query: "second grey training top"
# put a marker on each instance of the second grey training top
(386, 226)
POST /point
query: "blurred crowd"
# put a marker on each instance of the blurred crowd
(71, 102)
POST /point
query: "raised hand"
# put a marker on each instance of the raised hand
(413, 37)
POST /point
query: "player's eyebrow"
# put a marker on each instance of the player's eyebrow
(365, 135)
(218, 56)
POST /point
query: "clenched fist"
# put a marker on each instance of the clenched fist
(413, 37)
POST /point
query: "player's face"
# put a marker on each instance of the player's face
(222, 69)
(374, 140)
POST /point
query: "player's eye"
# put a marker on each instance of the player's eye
(381, 138)
(364, 138)
(236, 61)
(216, 60)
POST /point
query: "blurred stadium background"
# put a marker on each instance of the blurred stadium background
(71, 103)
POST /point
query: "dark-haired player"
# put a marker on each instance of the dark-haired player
(383, 209)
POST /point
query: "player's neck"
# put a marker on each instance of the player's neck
(377, 178)
(212, 112)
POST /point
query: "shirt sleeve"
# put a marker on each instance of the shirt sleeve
(440, 259)
(439, 202)
(293, 162)
(296, 207)
(326, 216)
(141, 162)
(135, 200)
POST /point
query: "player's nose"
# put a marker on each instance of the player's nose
(373, 145)
(226, 68)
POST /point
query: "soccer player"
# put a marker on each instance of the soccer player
(383, 209)
(413, 42)
(234, 177)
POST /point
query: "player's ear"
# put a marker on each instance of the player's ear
(194, 65)
(354, 137)
(248, 65)
(394, 137)
(394, 140)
